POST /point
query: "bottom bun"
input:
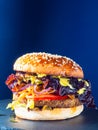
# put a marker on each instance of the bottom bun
(55, 114)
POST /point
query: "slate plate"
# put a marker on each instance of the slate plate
(87, 120)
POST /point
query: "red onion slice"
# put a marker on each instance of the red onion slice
(25, 87)
(43, 91)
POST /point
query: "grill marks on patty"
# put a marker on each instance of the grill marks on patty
(67, 103)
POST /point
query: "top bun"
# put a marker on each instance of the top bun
(45, 63)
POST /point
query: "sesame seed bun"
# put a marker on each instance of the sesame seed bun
(55, 114)
(45, 63)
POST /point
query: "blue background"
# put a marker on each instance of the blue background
(64, 27)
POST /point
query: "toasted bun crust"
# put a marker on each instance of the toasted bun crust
(46, 63)
(55, 114)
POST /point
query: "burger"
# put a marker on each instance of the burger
(48, 87)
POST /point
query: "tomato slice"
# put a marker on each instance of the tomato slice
(50, 97)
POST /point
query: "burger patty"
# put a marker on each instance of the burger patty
(58, 103)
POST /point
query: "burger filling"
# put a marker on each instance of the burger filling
(41, 91)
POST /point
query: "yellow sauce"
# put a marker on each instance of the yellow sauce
(73, 109)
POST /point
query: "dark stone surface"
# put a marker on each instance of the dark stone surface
(87, 120)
